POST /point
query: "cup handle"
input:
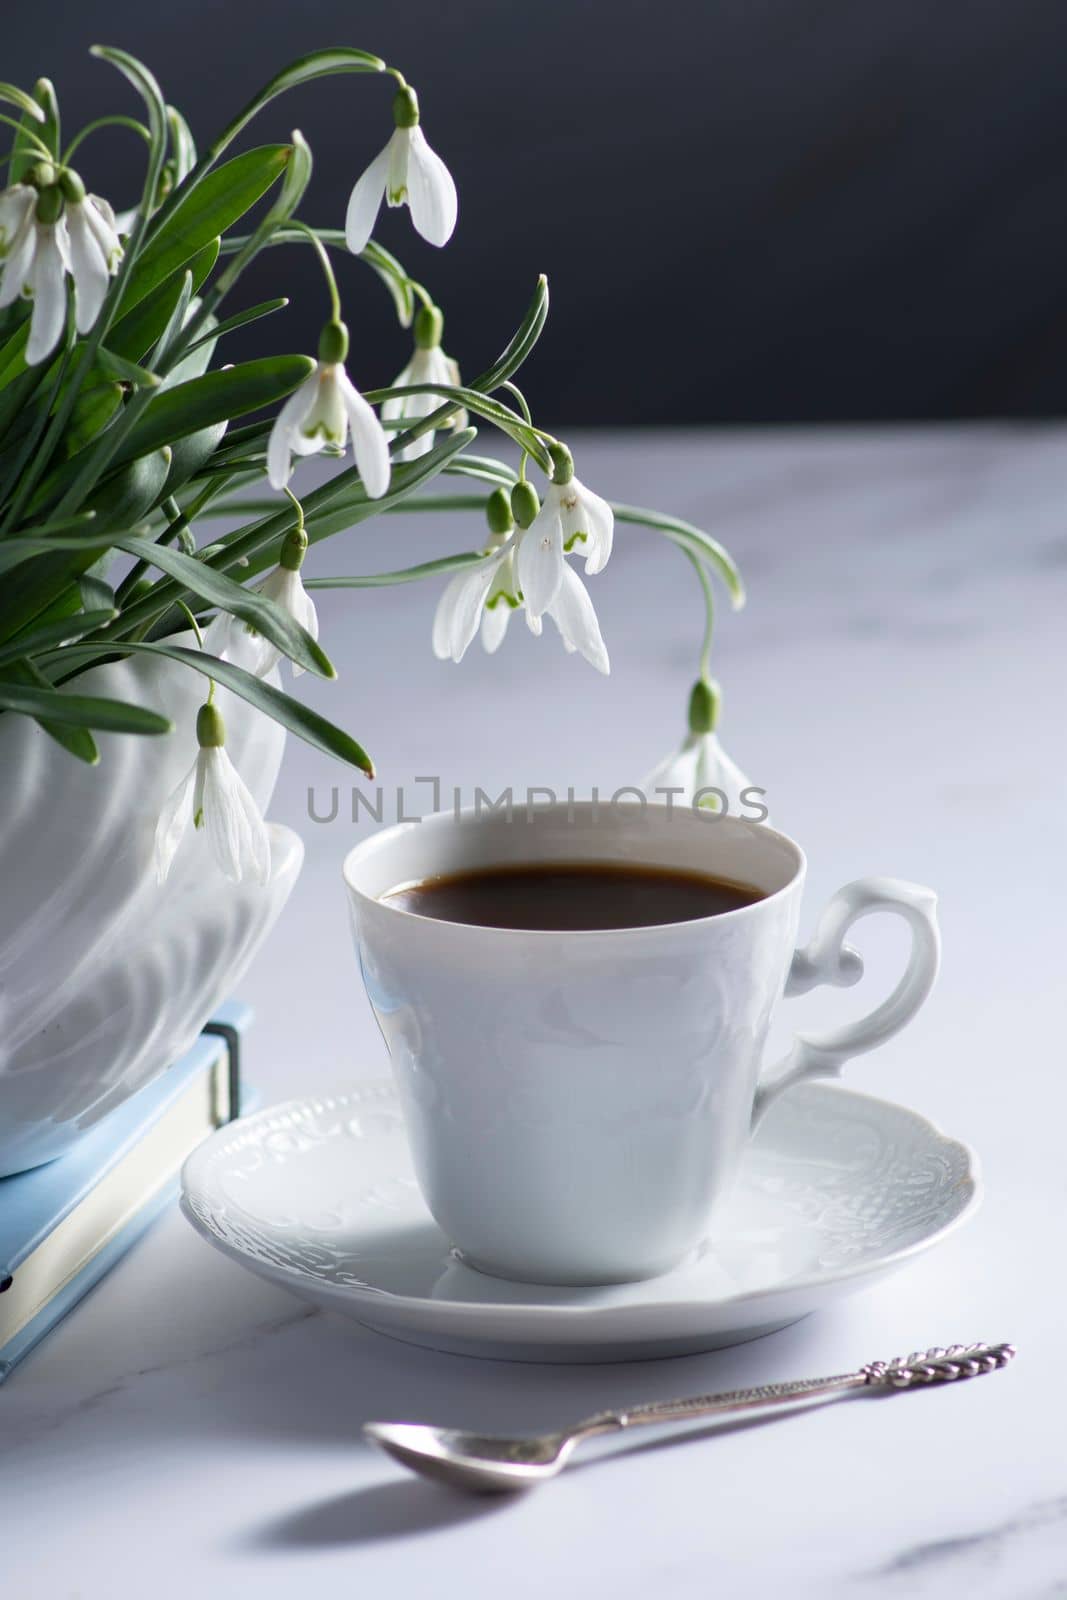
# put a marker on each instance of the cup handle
(828, 959)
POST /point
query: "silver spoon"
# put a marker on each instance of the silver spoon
(485, 1464)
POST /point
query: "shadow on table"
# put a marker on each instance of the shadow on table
(371, 1515)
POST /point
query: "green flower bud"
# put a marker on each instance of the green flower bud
(562, 463)
(333, 344)
(210, 728)
(42, 175)
(429, 326)
(50, 204)
(406, 108)
(498, 512)
(524, 503)
(294, 549)
(704, 706)
(72, 186)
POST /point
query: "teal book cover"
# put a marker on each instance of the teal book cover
(64, 1225)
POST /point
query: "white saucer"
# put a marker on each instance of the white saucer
(317, 1194)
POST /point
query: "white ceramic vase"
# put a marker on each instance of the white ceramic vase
(106, 976)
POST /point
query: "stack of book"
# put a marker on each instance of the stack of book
(62, 1226)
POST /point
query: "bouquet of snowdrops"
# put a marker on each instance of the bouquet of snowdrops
(122, 433)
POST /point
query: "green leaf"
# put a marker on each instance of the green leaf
(239, 320)
(142, 80)
(93, 410)
(191, 454)
(264, 615)
(215, 397)
(49, 635)
(381, 580)
(44, 127)
(81, 711)
(13, 352)
(125, 371)
(96, 595)
(395, 279)
(76, 741)
(127, 494)
(182, 147)
(136, 332)
(146, 86)
(305, 69)
(25, 102)
(201, 215)
(485, 468)
(470, 399)
(299, 719)
(297, 177)
(693, 539)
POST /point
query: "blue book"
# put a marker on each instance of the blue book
(62, 1226)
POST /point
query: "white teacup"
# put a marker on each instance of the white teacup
(577, 1102)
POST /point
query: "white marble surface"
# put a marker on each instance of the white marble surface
(898, 686)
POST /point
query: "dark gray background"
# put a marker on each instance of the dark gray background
(749, 210)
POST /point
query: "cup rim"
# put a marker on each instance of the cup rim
(473, 814)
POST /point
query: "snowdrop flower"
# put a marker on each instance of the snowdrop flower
(95, 249)
(321, 412)
(238, 642)
(50, 231)
(406, 172)
(700, 773)
(213, 795)
(428, 364)
(572, 515)
(486, 594)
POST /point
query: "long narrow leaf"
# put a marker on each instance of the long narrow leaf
(81, 711)
(299, 719)
(217, 589)
(193, 220)
(382, 580)
(52, 634)
(77, 742)
(215, 397)
(693, 538)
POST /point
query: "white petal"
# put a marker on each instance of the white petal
(233, 640)
(431, 191)
(600, 524)
(540, 559)
(369, 443)
(173, 821)
(236, 832)
(676, 771)
(495, 621)
(88, 267)
(364, 203)
(443, 614)
(396, 178)
(286, 424)
(398, 407)
(101, 220)
(18, 263)
(286, 589)
(48, 282)
(715, 770)
(572, 612)
(459, 610)
(16, 205)
(327, 421)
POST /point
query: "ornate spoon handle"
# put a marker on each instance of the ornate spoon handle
(942, 1364)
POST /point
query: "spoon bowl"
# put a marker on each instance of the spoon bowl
(479, 1463)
